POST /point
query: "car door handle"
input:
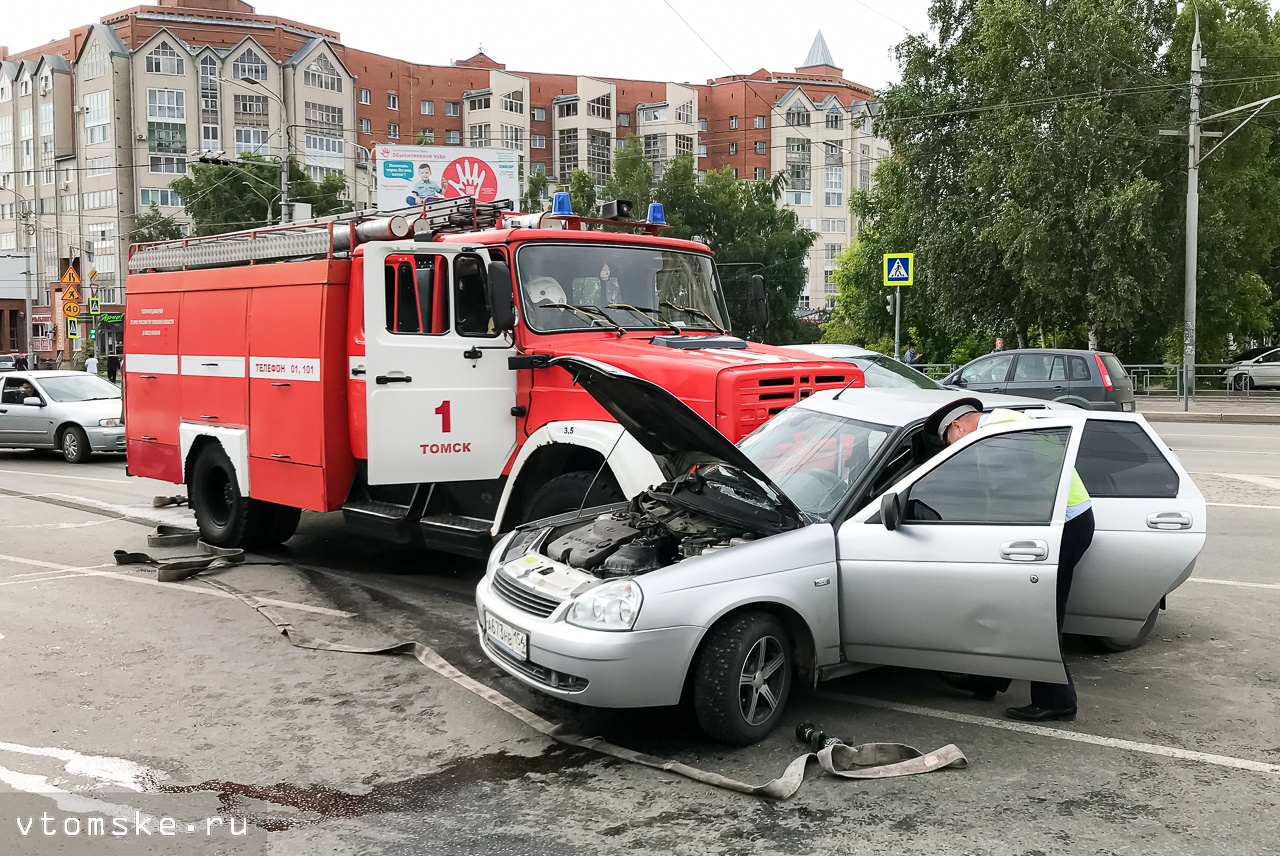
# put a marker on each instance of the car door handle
(1056, 388)
(357, 371)
(1169, 520)
(1024, 551)
(389, 379)
(4, 411)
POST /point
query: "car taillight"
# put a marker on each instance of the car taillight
(1102, 369)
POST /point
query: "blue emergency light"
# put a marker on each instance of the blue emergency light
(561, 206)
(657, 217)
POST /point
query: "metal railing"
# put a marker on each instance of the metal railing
(1166, 380)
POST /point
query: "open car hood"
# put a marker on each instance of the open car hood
(660, 422)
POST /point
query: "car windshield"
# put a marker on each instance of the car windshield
(84, 387)
(883, 372)
(814, 457)
(575, 286)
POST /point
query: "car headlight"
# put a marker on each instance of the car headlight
(111, 423)
(611, 606)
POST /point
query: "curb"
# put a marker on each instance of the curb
(1228, 418)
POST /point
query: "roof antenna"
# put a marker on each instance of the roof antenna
(836, 397)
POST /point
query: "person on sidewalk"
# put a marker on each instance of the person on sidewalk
(1048, 701)
(910, 356)
(113, 366)
(91, 365)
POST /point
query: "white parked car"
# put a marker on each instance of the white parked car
(74, 412)
(838, 536)
(1256, 369)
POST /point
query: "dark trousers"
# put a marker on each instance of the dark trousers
(1077, 535)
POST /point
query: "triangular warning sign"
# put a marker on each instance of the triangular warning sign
(71, 278)
(71, 294)
(897, 271)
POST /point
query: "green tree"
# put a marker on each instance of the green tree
(246, 194)
(421, 139)
(582, 193)
(153, 225)
(535, 193)
(632, 177)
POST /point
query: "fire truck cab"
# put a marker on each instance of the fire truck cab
(396, 368)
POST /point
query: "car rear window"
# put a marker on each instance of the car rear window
(1114, 367)
(1118, 459)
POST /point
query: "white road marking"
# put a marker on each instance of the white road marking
(1264, 481)
(187, 587)
(38, 573)
(60, 476)
(101, 768)
(1217, 436)
(1224, 451)
(1233, 583)
(41, 580)
(1063, 734)
(1240, 505)
(64, 800)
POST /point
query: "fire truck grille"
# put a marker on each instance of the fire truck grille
(522, 598)
(757, 398)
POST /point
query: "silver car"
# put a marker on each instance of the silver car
(74, 412)
(836, 537)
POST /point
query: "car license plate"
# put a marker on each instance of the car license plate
(515, 642)
(1128, 406)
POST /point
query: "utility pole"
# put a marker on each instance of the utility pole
(1193, 223)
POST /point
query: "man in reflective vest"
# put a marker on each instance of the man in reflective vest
(1048, 701)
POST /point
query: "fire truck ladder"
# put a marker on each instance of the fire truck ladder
(326, 237)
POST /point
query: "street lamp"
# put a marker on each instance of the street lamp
(369, 167)
(288, 137)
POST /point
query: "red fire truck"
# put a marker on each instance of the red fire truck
(395, 368)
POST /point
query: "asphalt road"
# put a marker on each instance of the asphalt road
(177, 700)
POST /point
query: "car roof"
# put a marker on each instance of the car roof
(836, 350)
(896, 406)
(1083, 352)
(45, 373)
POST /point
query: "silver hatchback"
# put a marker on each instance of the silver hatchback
(74, 412)
(837, 537)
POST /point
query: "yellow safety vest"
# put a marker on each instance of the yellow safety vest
(1078, 499)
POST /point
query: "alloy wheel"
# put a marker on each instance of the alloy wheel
(761, 681)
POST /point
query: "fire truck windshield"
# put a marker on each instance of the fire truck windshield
(575, 286)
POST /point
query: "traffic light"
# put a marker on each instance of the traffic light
(93, 334)
(888, 303)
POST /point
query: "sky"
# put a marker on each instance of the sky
(630, 38)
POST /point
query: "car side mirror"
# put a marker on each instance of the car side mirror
(891, 511)
(761, 303)
(32, 401)
(501, 296)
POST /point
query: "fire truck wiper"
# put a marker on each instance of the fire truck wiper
(582, 310)
(691, 310)
(643, 311)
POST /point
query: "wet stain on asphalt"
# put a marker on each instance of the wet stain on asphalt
(314, 803)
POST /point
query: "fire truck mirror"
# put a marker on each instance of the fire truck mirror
(501, 297)
(761, 303)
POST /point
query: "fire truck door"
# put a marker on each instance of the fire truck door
(438, 389)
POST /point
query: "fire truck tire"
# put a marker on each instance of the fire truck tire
(567, 492)
(282, 523)
(225, 517)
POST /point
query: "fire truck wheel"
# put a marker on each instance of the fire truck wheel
(225, 517)
(282, 522)
(566, 493)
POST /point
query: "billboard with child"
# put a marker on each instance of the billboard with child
(410, 175)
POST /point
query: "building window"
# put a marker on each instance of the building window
(364, 96)
(208, 85)
(828, 282)
(537, 141)
(684, 144)
(759, 122)
(866, 125)
(169, 164)
(479, 103)
(249, 105)
(249, 65)
(567, 109)
(453, 108)
(601, 108)
(393, 101)
(325, 153)
(653, 114)
(97, 199)
(539, 114)
(512, 137)
(251, 141)
(537, 169)
(735, 172)
(163, 59)
(835, 227)
(702, 124)
(684, 113)
(513, 102)
(864, 168)
(426, 136)
(624, 120)
(322, 116)
(366, 126)
(799, 177)
(599, 156)
(24, 86)
(733, 148)
(620, 143)
(211, 138)
(94, 64)
(761, 147)
(95, 167)
(761, 173)
(161, 196)
(167, 138)
(427, 108)
(797, 116)
(567, 153)
(453, 138)
(832, 253)
(835, 186)
(655, 149)
(478, 136)
(882, 154)
(322, 74)
(835, 119)
(803, 303)
(702, 150)
(97, 117)
(393, 130)
(733, 123)
(166, 104)
(6, 91)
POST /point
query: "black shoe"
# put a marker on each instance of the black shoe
(1031, 713)
(970, 684)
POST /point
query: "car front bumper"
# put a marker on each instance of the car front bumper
(106, 439)
(636, 668)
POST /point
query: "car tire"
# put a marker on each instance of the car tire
(282, 523)
(569, 492)
(74, 445)
(224, 516)
(1242, 382)
(1116, 644)
(730, 678)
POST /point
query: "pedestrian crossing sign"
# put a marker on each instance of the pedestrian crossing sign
(73, 328)
(95, 306)
(899, 269)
